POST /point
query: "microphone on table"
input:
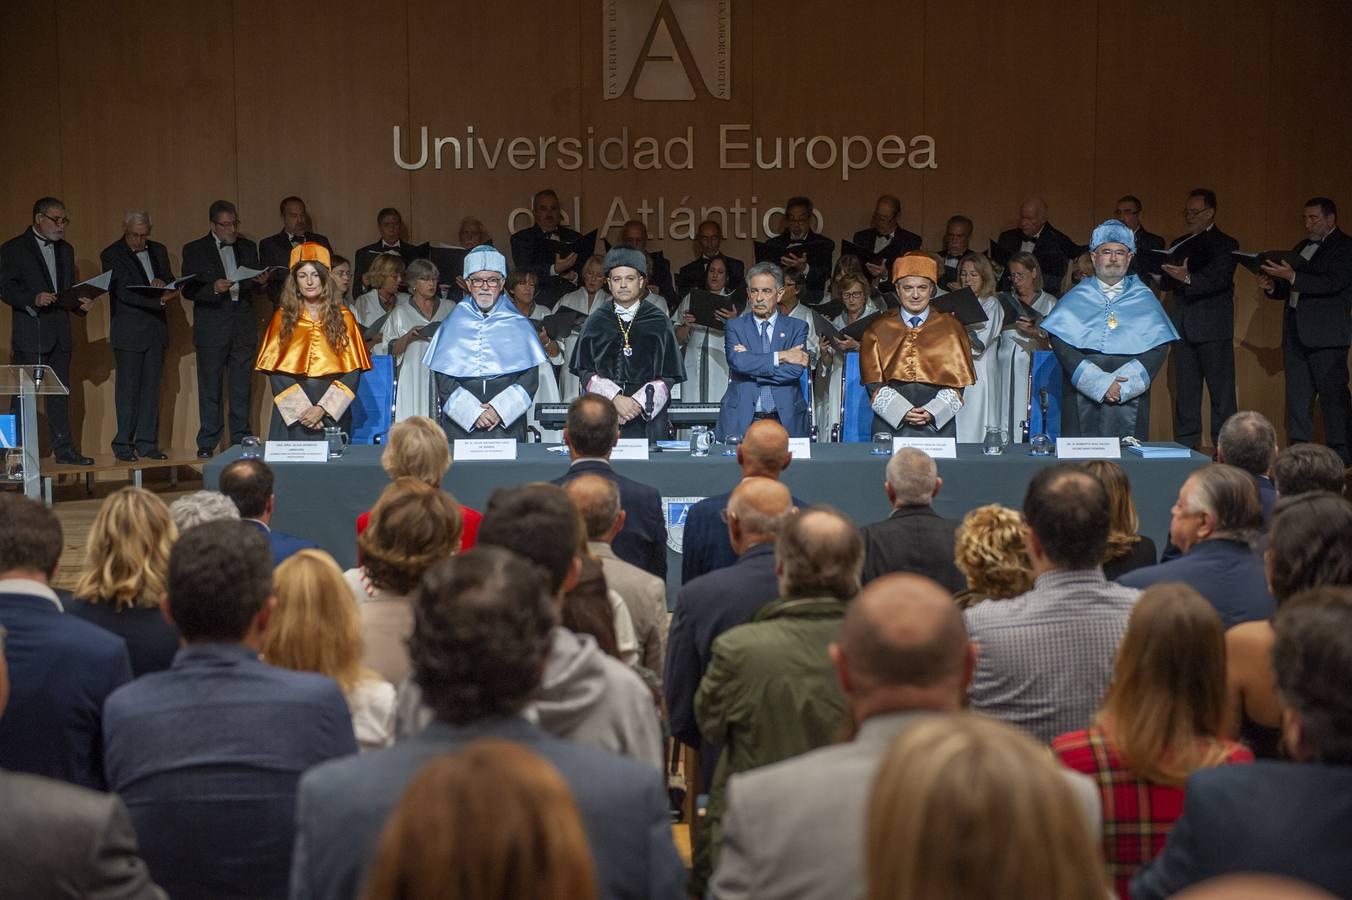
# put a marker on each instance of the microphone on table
(1042, 404)
(648, 406)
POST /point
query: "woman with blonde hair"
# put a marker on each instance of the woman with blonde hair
(125, 572)
(315, 627)
(1163, 719)
(981, 402)
(838, 357)
(380, 295)
(1127, 548)
(989, 550)
(417, 448)
(413, 527)
(590, 291)
(492, 822)
(1020, 338)
(407, 333)
(967, 808)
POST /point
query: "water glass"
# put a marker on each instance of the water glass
(1041, 445)
(994, 443)
(882, 444)
(337, 439)
(730, 442)
(251, 448)
(700, 440)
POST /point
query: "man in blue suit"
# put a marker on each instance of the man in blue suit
(479, 644)
(248, 483)
(1279, 818)
(767, 353)
(592, 428)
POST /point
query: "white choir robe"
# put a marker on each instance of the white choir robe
(979, 401)
(1015, 359)
(366, 310)
(548, 391)
(828, 390)
(703, 344)
(413, 396)
(568, 386)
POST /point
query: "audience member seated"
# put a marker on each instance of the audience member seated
(482, 637)
(1302, 468)
(769, 692)
(201, 507)
(493, 821)
(61, 668)
(1161, 721)
(914, 538)
(413, 527)
(315, 627)
(208, 753)
(593, 427)
(417, 448)
(1289, 819)
(248, 484)
(1128, 549)
(725, 598)
(705, 547)
(1216, 517)
(989, 550)
(126, 562)
(645, 596)
(1310, 545)
(62, 841)
(1047, 656)
(966, 807)
(584, 695)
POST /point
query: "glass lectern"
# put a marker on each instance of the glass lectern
(27, 383)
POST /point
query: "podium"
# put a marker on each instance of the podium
(27, 383)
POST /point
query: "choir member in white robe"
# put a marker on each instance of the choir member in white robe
(406, 335)
(382, 295)
(980, 401)
(1019, 339)
(706, 364)
(585, 299)
(521, 287)
(856, 294)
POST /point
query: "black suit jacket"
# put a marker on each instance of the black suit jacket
(913, 539)
(1054, 251)
(275, 250)
(817, 276)
(138, 317)
(659, 276)
(1279, 818)
(1205, 309)
(1325, 287)
(902, 242)
(1144, 263)
(217, 320)
(361, 261)
(534, 252)
(694, 274)
(643, 540)
(24, 275)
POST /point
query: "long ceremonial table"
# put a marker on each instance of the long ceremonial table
(321, 501)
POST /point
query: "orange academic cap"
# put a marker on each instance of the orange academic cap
(310, 252)
(914, 263)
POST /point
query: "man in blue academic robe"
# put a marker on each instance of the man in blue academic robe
(1111, 336)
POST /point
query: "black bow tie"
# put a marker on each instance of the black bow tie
(1317, 241)
(296, 238)
(552, 235)
(221, 245)
(142, 250)
(42, 240)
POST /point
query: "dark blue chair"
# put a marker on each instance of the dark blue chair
(373, 410)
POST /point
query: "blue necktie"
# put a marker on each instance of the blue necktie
(765, 401)
(915, 321)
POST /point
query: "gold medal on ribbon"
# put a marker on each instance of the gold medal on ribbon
(1112, 320)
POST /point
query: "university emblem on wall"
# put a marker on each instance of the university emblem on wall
(666, 49)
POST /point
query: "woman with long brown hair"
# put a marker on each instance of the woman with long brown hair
(1163, 719)
(1127, 548)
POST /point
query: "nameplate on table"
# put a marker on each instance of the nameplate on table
(296, 451)
(630, 448)
(1088, 448)
(483, 449)
(935, 448)
(800, 448)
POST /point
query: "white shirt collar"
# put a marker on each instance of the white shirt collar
(30, 588)
(1112, 290)
(627, 314)
(907, 316)
(774, 317)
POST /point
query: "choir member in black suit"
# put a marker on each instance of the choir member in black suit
(1035, 235)
(798, 230)
(224, 324)
(535, 249)
(33, 267)
(139, 334)
(1315, 327)
(1144, 263)
(957, 244)
(695, 274)
(391, 226)
(1203, 311)
(660, 284)
(885, 236)
(275, 250)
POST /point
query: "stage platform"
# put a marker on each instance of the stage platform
(321, 502)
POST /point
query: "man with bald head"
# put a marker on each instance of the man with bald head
(723, 599)
(1035, 235)
(706, 547)
(914, 538)
(644, 594)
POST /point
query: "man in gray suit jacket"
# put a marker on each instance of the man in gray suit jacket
(482, 630)
(796, 829)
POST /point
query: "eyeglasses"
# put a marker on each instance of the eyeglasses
(227, 223)
(852, 295)
(61, 221)
(1193, 213)
(491, 281)
(1127, 212)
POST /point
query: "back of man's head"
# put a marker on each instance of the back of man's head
(248, 482)
(764, 451)
(1068, 511)
(760, 506)
(1312, 661)
(1302, 468)
(819, 554)
(220, 576)
(536, 522)
(597, 500)
(1248, 441)
(592, 427)
(912, 477)
(30, 537)
(902, 638)
(1230, 497)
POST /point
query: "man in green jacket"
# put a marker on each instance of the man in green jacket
(770, 692)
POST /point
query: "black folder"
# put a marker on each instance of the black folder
(962, 304)
(704, 305)
(1254, 261)
(558, 325)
